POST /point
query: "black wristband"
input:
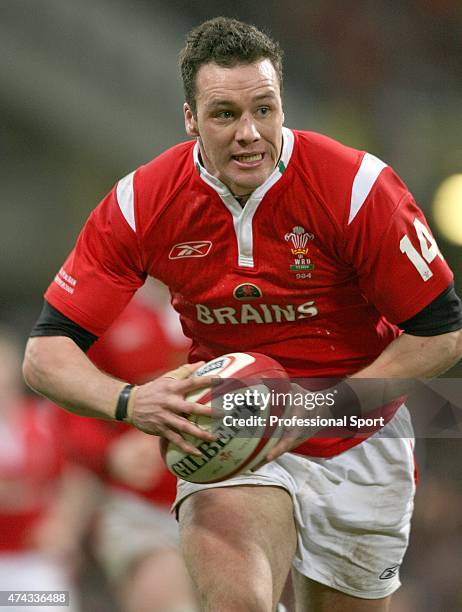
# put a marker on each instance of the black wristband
(122, 403)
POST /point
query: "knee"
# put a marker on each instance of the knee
(234, 586)
(240, 599)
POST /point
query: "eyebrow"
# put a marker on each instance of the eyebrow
(225, 102)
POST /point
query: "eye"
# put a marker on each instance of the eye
(264, 110)
(226, 114)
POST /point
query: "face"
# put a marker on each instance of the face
(238, 122)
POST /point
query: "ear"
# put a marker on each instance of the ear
(190, 122)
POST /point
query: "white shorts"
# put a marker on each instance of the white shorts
(352, 511)
(129, 528)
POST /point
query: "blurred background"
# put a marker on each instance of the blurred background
(89, 89)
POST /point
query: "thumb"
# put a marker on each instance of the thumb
(184, 371)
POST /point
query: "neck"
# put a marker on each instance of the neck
(242, 199)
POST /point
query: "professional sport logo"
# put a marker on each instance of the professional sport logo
(301, 262)
(194, 248)
(247, 291)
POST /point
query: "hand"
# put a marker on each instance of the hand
(352, 397)
(292, 435)
(159, 407)
(287, 442)
(338, 400)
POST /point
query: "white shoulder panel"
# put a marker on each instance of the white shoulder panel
(125, 199)
(364, 180)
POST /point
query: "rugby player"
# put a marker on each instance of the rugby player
(283, 242)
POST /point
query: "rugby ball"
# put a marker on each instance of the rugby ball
(249, 394)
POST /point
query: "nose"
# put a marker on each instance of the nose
(247, 131)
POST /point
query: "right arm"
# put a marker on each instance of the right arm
(97, 280)
(56, 367)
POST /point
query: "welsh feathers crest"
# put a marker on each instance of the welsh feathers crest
(299, 239)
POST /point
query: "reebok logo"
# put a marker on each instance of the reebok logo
(195, 248)
(390, 572)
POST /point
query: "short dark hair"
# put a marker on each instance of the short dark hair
(226, 42)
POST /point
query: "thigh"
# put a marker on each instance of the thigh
(311, 596)
(238, 543)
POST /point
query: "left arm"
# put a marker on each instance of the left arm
(406, 358)
(416, 357)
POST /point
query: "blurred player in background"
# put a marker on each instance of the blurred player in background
(43, 499)
(136, 537)
(287, 243)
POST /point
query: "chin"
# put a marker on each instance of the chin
(242, 189)
(249, 185)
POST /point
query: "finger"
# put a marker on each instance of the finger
(186, 447)
(266, 460)
(183, 371)
(259, 465)
(285, 444)
(184, 426)
(184, 407)
(196, 365)
(180, 406)
(197, 432)
(196, 382)
(281, 447)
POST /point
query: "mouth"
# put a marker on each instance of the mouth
(250, 159)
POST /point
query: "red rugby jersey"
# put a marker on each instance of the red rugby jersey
(315, 271)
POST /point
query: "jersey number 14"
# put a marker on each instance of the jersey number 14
(428, 247)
